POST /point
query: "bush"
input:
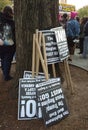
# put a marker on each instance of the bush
(3, 3)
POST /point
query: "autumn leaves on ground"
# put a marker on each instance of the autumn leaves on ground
(77, 105)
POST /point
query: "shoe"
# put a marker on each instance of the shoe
(80, 53)
(69, 59)
(8, 78)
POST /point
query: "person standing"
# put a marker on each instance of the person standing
(81, 36)
(64, 20)
(85, 43)
(72, 33)
(7, 41)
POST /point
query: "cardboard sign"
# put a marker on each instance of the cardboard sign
(61, 42)
(51, 47)
(51, 100)
(28, 74)
(27, 105)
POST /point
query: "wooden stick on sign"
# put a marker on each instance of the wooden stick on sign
(69, 75)
(33, 56)
(41, 59)
(37, 54)
(54, 71)
(44, 52)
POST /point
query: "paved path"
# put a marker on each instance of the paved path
(79, 61)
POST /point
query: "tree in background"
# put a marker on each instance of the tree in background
(83, 12)
(3, 3)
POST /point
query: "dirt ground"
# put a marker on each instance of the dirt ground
(77, 105)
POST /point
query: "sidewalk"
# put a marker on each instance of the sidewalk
(79, 61)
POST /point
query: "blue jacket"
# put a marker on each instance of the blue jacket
(72, 28)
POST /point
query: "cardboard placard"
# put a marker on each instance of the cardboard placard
(28, 74)
(51, 47)
(61, 41)
(27, 105)
(51, 100)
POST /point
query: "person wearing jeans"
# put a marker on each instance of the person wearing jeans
(85, 43)
(85, 47)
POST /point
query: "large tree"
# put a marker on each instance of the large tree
(29, 16)
(83, 12)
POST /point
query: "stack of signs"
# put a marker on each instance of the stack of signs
(51, 100)
(61, 42)
(51, 47)
(39, 98)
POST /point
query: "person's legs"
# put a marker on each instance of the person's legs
(85, 47)
(2, 59)
(71, 47)
(81, 45)
(6, 65)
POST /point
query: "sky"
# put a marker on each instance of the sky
(78, 3)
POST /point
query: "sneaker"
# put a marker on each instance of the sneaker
(80, 53)
(69, 59)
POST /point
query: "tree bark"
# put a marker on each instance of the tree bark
(29, 16)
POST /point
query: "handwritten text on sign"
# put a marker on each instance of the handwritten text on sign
(61, 42)
(51, 47)
(27, 105)
(51, 100)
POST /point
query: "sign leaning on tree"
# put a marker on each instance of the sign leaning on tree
(27, 105)
(55, 49)
(51, 47)
(41, 97)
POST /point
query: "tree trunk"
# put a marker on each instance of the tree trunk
(29, 16)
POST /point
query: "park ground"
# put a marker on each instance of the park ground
(77, 105)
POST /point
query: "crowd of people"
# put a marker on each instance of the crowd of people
(76, 32)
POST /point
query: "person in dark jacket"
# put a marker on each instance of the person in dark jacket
(7, 41)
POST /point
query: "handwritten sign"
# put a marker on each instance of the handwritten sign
(27, 105)
(51, 100)
(28, 74)
(61, 41)
(51, 47)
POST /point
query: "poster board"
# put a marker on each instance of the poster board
(51, 100)
(63, 52)
(51, 47)
(27, 105)
(28, 74)
(61, 41)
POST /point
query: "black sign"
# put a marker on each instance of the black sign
(28, 74)
(51, 47)
(27, 105)
(61, 42)
(52, 101)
